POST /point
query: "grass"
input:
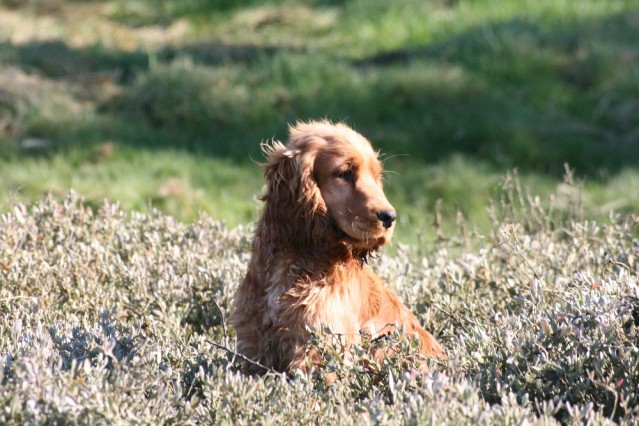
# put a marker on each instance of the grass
(173, 181)
(454, 93)
(110, 316)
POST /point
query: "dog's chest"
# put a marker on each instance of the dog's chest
(336, 300)
(338, 311)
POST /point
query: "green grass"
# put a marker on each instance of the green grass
(177, 183)
(454, 93)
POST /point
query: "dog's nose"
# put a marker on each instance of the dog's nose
(387, 217)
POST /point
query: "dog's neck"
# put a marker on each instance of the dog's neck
(326, 247)
(333, 252)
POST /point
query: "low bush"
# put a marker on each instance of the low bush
(116, 317)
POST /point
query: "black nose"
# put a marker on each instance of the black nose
(387, 217)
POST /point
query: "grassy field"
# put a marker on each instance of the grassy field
(164, 103)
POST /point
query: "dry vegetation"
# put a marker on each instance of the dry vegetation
(110, 317)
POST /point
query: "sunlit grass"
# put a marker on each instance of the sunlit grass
(455, 94)
(178, 183)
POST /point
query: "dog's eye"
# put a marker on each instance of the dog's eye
(347, 175)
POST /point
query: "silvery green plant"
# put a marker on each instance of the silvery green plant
(114, 317)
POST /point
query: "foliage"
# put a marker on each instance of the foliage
(116, 317)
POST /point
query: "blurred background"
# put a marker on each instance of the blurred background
(163, 103)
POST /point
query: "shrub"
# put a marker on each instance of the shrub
(116, 317)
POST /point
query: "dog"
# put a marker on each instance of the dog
(325, 213)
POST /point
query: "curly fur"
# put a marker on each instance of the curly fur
(325, 212)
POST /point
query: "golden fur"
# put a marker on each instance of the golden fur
(325, 211)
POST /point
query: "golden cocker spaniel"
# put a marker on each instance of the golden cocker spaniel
(325, 211)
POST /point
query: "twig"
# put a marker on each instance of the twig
(604, 386)
(456, 318)
(226, 341)
(7, 299)
(461, 222)
(242, 357)
(518, 252)
(438, 221)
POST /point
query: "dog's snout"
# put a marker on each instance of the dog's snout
(387, 217)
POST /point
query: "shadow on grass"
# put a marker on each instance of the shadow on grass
(79, 344)
(514, 94)
(165, 12)
(56, 59)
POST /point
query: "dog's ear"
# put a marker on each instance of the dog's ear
(295, 212)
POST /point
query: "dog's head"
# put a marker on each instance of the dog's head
(326, 186)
